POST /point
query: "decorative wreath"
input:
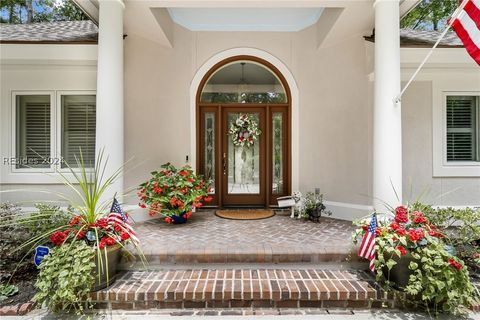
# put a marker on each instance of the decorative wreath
(244, 131)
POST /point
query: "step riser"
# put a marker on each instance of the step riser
(240, 288)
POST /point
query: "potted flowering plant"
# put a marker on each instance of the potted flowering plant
(85, 251)
(411, 256)
(174, 193)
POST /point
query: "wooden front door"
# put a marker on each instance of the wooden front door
(250, 176)
(242, 176)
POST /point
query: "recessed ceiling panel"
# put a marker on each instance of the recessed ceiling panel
(245, 19)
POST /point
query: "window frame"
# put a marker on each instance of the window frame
(42, 175)
(442, 167)
(58, 111)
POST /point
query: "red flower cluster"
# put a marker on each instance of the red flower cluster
(80, 234)
(102, 223)
(419, 218)
(107, 241)
(454, 264)
(59, 237)
(74, 221)
(401, 214)
(416, 234)
(402, 250)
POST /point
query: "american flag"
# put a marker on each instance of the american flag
(367, 247)
(117, 215)
(467, 26)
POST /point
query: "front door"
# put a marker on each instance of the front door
(243, 156)
(243, 133)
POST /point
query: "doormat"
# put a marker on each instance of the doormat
(247, 214)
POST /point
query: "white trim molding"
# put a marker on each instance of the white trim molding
(442, 168)
(200, 73)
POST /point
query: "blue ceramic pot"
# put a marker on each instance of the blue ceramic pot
(178, 219)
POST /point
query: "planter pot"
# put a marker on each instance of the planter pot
(178, 219)
(400, 273)
(108, 273)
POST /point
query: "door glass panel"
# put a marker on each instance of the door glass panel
(243, 82)
(277, 152)
(243, 162)
(209, 143)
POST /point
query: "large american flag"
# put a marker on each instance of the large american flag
(117, 215)
(467, 26)
(367, 247)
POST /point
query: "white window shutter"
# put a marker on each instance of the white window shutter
(78, 129)
(33, 131)
(461, 128)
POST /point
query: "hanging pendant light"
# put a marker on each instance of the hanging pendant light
(242, 85)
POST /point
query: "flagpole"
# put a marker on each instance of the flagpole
(452, 19)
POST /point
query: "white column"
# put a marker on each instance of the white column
(387, 117)
(109, 129)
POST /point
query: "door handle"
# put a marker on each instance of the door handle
(224, 163)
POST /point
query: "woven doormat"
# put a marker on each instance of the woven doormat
(247, 214)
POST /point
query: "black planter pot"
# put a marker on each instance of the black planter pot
(400, 273)
(178, 219)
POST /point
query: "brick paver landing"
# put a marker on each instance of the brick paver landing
(231, 288)
(207, 238)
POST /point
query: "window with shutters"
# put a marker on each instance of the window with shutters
(78, 129)
(50, 134)
(462, 128)
(33, 131)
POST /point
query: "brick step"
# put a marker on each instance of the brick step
(239, 288)
(260, 255)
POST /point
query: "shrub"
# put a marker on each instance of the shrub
(17, 228)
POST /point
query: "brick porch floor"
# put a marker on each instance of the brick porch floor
(207, 238)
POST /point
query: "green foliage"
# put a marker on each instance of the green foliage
(461, 225)
(7, 290)
(18, 228)
(313, 202)
(173, 191)
(66, 276)
(17, 11)
(438, 280)
(430, 15)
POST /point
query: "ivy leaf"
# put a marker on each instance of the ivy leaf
(391, 263)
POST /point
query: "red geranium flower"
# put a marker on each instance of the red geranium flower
(208, 199)
(401, 232)
(401, 214)
(58, 237)
(455, 264)
(80, 234)
(168, 220)
(173, 201)
(402, 250)
(419, 218)
(125, 236)
(378, 232)
(75, 220)
(157, 190)
(183, 173)
(141, 205)
(394, 226)
(102, 223)
(416, 234)
(191, 180)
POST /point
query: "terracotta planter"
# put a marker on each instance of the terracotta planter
(108, 273)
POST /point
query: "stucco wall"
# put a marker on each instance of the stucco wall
(45, 77)
(335, 116)
(418, 179)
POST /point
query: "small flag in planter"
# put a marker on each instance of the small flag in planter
(367, 247)
(117, 215)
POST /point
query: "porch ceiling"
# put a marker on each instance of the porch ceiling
(339, 20)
